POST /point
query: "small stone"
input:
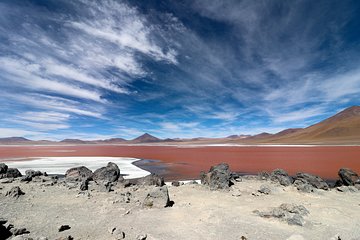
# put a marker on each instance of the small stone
(141, 237)
(265, 189)
(64, 228)
(65, 238)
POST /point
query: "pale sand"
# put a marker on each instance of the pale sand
(198, 213)
(59, 165)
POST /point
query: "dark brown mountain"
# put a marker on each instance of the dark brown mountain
(146, 138)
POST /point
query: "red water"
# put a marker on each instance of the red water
(187, 162)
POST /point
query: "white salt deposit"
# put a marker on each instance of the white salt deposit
(59, 165)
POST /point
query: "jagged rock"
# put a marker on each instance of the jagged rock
(110, 173)
(175, 183)
(19, 231)
(33, 173)
(152, 179)
(303, 186)
(348, 176)
(3, 168)
(63, 228)
(292, 208)
(315, 181)
(265, 189)
(14, 192)
(84, 185)
(78, 174)
(281, 176)
(117, 233)
(11, 173)
(157, 198)
(218, 177)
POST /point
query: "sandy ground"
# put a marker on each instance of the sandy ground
(198, 213)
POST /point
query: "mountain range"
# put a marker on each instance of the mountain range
(342, 128)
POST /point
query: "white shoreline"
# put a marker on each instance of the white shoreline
(59, 165)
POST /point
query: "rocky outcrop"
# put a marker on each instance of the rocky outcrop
(30, 174)
(78, 174)
(151, 180)
(281, 176)
(219, 177)
(6, 172)
(290, 213)
(304, 179)
(14, 192)
(157, 198)
(3, 168)
(110, 173)
(348, 176)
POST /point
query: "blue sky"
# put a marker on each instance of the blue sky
(102, 69)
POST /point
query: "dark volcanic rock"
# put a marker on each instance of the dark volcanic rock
(175, 183)
(150, 180)
(11, 173)
(64, 228)
(14, 192)
(348, 176)
(4, 231)
(218, 177)
(78, 174)
(84, 185)
(157, 198)
(281, 176)
(313, 180)
(110, 173)
(3, 168)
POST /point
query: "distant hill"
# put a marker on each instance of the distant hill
(146, 138)
(342, 128)
(72, 141)
(14, 140)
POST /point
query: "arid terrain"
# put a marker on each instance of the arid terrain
(252, 209)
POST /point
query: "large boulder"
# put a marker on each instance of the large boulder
(150, 180)
(78, 174)
(157, 198)
(314, 181)
(348, 176)
(218, 177)
(110, 173)
(281, 176)
(12, 173)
